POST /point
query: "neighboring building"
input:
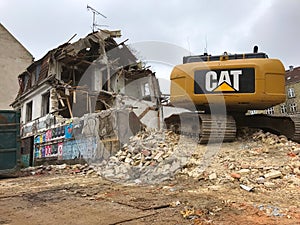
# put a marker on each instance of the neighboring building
(292, 104)
(78, 100)
(14, 59)
(292, 86)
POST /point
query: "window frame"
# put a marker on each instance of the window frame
(291, 92)
(45, 104)
(29, 110)
(293, 107)
(270, 111)
(283, 109)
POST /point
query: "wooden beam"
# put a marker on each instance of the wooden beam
(69, 108)
(74, 96)
(60, 99)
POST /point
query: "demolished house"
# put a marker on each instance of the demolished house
(83, 100)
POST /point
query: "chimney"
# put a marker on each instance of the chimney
(291, 68)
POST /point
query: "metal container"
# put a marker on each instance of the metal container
(9, 141)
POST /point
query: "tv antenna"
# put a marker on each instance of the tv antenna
(95, 12)
(205, 49)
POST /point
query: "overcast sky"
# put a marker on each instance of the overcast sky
(234, 26)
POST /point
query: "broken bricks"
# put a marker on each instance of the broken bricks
(59, 169)
(148, 147)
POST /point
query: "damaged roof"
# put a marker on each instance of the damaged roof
(98, 46)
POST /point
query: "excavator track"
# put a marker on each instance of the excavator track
(205, 127)
(288, 126)
(218, 128)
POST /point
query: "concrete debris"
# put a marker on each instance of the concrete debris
(246, 188)
(78, 169)
(273, 174)
(212, 176)
(153, 156)
(260, 180)
(296, 151)
(148, 148)
(243, 171)
(271, 210)
(261, 161)
(150, 156)
(269, 184)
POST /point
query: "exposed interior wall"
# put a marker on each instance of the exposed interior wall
(135, 88)
(118, 84)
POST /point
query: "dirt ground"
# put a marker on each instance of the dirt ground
(66, 195)
(77, 199)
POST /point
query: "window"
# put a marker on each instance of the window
(35, 75)
(253, 112)
(283, 109)
(28, 112)
(37, 72)
(45, 104)
(293, 107)
(146, 89)
(291, 93)
(32, 79)
(26, 85)
(270, 111)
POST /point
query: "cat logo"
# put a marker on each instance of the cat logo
(225, 81)
(229, 81)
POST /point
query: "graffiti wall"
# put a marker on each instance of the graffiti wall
(60, 143)
(93, 137)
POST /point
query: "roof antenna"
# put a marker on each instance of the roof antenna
(188, 42)
(95, 12)
(255, 49)
(205, 49)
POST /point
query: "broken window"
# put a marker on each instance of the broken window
(28, 111)
(45, 104)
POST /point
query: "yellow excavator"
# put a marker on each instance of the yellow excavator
(219, 90)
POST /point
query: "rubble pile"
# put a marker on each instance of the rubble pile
(151, 156)
(78, 169)
(148, 148)
(273, 140)
(265, 161)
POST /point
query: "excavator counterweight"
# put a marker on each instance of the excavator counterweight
(219, 90)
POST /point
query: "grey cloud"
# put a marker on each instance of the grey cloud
(42, 25)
